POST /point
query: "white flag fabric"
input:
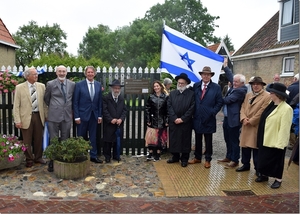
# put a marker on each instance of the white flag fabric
(181, 54)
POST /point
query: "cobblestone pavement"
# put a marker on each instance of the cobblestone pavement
(131, 186)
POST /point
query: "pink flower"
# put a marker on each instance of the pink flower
(5, 90)
(11, 157)
(24, 148)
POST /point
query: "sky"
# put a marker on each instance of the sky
(240, 19)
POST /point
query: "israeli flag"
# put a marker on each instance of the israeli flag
(181, 54)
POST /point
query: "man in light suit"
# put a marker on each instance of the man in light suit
(58, 98)
(87, 106)
(30, 112)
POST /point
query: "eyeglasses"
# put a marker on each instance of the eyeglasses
(181, 83)
(34, 74)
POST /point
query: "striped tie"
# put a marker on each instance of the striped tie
(33, 98)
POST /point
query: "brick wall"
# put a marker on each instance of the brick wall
(7, 56)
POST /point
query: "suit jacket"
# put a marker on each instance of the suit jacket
(22, 109)
(83, 106)
(253, 111)
(58, 110)
(234, 99)
(112, 110)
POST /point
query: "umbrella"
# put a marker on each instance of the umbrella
(293, 152)
(118, 145)
(45, 136)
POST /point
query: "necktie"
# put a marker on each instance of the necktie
(33, 98)
(91, 91)
(203, 91)
(63, 91)
(116, 99)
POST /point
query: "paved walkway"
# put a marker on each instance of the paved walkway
(135, 186)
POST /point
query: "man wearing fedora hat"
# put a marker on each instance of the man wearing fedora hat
(181, 104)
(114, 115)
(254, 104)
(208, 102)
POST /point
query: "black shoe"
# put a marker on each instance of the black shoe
(107, 160)
(184, 164)
(243, 168)
(96, 160)
(261, 178)
(50, 166)
(150, 157)
(156, 157)
(276, 184)
(172, 161)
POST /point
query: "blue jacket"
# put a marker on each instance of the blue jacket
(234, 100)
(204, 119)
(83, 106)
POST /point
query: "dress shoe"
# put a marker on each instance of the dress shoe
(194, 160)
(207, 164)
(276, 184)
(29, 164)
(172, 161)
(184, 164)
(231, 165)
(41, 161)
(261, 178)
(96, 160)
(107, 160)
(243, 168)
(225, 160)
(50, 166)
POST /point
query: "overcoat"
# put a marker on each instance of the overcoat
(156, 111)
(252, 110)
(112, 110)
(207, 108)
(180, 105)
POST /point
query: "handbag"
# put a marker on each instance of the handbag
(151, 137)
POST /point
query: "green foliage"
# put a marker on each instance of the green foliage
(68, 150)
(37, 40)
(228, 43)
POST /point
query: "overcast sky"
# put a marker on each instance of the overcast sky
(240, 19)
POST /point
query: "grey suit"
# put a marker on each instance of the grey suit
(59, 109)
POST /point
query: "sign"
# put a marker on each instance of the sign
(136, 86)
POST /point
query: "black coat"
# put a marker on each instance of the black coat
(181, 105)
(112, 110)
(156, 111)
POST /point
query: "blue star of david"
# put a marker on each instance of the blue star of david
(187, 60)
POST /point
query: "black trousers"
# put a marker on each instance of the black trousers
(107, 150)
(183, 158)
(208, 146)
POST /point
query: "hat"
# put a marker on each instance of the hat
(256, 80)
(278, 88)
(116, 82)
(183, 76)
(207, 70)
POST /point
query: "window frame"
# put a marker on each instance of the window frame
(290, 13)
(286, 60)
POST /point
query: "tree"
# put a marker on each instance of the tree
(35, 41)
(189, 17)
(228, 43)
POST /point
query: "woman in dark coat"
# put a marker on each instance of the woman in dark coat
(273, 136)
(156, 117)
(114, 115)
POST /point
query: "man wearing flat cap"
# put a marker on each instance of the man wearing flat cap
(180, 112)
(254, 104)
(114, 115)
(208, 102)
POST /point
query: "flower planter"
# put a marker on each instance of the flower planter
(6, 164)
(71, 170)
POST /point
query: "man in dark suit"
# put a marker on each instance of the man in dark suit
(231, 124)
(208, 102)
(87, 106)
(58, 98)
(114, 115)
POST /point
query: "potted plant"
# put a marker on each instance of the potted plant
(70, 157)
(11, 151)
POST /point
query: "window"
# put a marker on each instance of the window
(288, 66)
(287, 12)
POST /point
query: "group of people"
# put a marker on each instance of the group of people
(61, 101)
(256, 123)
